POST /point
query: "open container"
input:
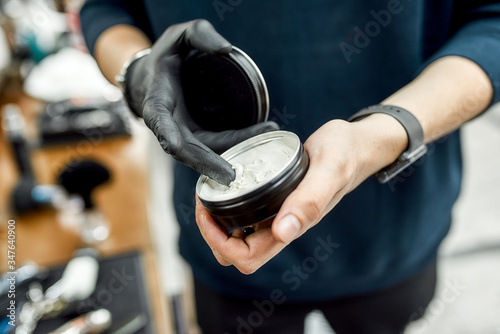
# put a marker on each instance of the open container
(264, 200)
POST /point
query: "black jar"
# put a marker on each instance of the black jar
(264, 201)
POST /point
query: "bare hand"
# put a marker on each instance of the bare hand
(341, 157)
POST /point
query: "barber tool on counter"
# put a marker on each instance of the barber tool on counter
(26, 274)
(27, 194)
(78, 178)
(99, 321)
(92, 120)
(77, 283)
(14, 127)
(81, 177)
(93, 322)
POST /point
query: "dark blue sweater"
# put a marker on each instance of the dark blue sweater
(322, 60)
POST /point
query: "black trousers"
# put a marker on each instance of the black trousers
(383, 312)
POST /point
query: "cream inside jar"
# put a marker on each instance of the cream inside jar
(253, 167)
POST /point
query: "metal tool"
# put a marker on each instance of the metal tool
(25, 274)
(93, 322)
(77, 283)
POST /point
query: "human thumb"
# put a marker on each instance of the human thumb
(308, 203)
(287, 229)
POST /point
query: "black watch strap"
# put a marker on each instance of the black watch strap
(416, 145)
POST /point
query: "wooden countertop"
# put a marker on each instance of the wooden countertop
(41, 238)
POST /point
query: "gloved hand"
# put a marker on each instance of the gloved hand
(153, 92)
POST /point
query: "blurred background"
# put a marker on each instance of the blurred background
(86, 210)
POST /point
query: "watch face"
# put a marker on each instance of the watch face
(224, 92)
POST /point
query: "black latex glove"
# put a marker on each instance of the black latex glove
(154, 92)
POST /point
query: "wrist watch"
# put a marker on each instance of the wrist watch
(416, 145)
(122, 76)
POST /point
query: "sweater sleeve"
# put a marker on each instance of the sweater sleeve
(99, 15)
(476, 37)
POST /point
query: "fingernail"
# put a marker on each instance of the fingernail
(288, 228)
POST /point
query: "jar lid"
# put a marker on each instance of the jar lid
(224, 92)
